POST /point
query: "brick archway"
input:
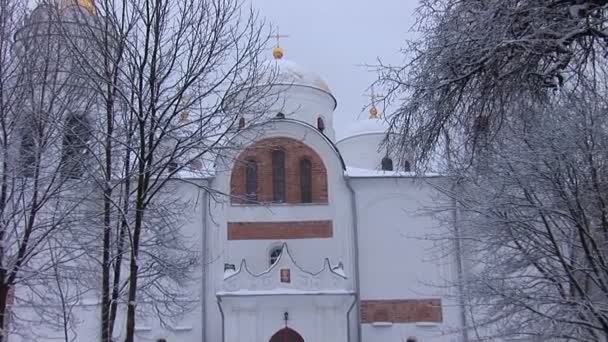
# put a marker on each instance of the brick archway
(260, 154)
(286, 335)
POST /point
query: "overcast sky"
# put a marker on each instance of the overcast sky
(336, 37)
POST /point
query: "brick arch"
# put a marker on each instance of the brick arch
(261, 152)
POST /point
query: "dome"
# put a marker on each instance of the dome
(287, 72)
(367, 126)
(88, 5)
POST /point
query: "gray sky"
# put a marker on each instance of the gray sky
(336, 37)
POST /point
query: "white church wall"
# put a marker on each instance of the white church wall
(84, 315)
(308, 253)
(315, 318)
(336, 248)
(397, 257)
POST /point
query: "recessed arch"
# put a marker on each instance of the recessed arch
(280, 184)
(286, 335)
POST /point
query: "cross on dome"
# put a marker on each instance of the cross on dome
(373, 111)
(278, 52)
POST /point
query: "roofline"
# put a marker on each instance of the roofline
(360, 134)
(325, 137)
(304, 86)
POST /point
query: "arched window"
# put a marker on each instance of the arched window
(275, 253)
(407, 166)
(251, 180)
(241, 123)
(305, 180)
(75, 139)
(278, 176)
(387, 164)
(320, 124)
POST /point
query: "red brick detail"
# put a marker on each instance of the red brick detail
(401, 310)
(295, 151)
(279, 230)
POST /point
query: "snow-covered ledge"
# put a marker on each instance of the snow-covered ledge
(285, 277)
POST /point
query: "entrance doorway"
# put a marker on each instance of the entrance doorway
(286, 335)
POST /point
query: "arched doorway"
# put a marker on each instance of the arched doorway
(286, 335)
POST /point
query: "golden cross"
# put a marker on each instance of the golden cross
(278, 37)
(373, 111)
(372, 95)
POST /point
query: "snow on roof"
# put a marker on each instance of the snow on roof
(366, 126)
(355, 172)
(288, 72)
(242, 281)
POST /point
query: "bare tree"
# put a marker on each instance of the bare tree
(173, 79)
(40, 149)
(474, 59)
(513, 93)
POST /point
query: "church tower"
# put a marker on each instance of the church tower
(286, 236)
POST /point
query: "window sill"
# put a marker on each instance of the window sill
(382, 324)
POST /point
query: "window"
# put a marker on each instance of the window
(241, 123)
(305, 180)
(387, 164)
(172, 166)
(320, 124)
(251, 181)
(275, 253)
(407, 166)
(278, 176)
(75, 140)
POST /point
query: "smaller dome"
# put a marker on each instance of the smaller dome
(367, 126)
(288, 72)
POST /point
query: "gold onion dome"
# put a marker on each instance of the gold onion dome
(278, 52)
(88, 5)
(373, 112)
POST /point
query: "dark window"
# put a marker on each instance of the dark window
(407, 166)
(306, 180)
(75, 149)
(275, 253)
(280, 115)
(320, 124)
(251, 180)
(241, 123)
(172, 166)
(278, 176)
(387, 164)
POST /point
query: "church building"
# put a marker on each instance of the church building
(319, 240)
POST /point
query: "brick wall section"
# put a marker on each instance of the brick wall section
(279, 230)
(401, 310)
(261, 152)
